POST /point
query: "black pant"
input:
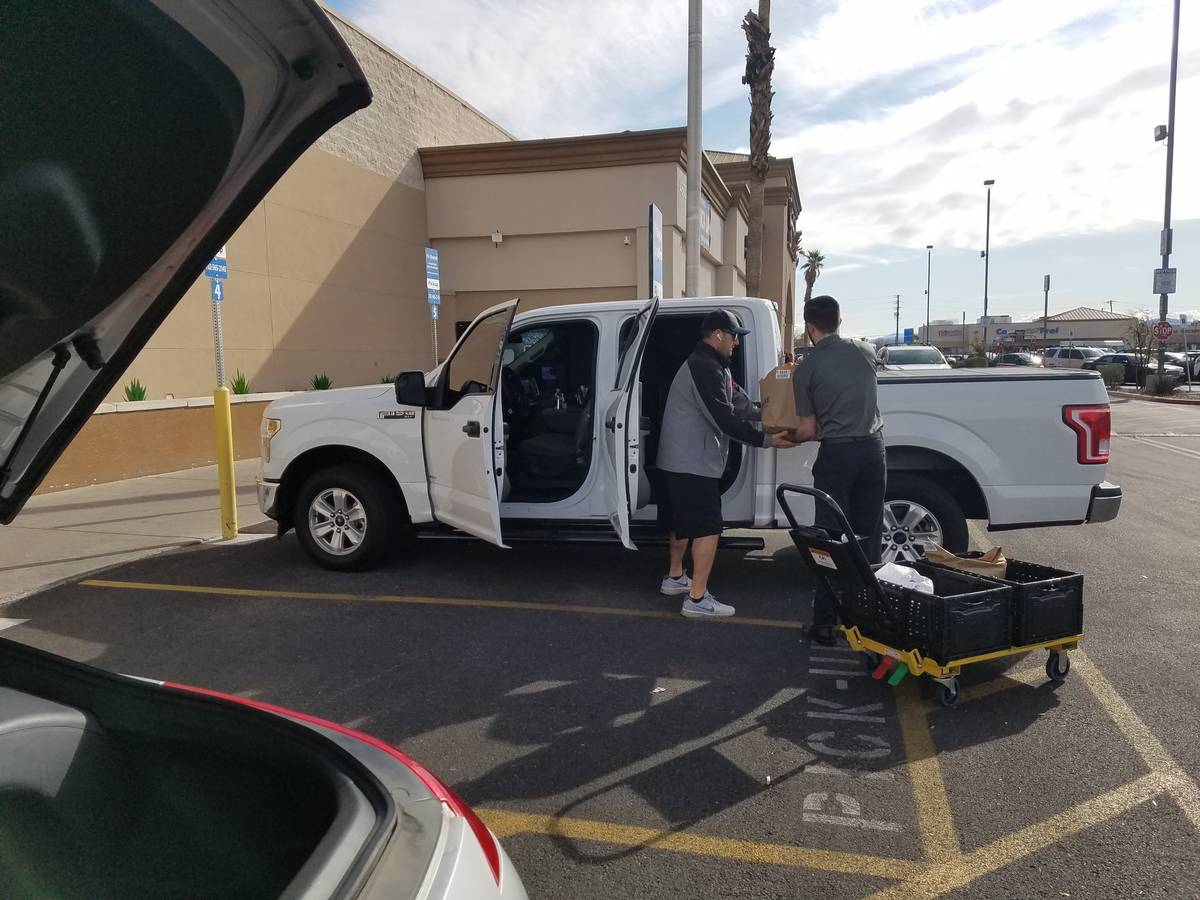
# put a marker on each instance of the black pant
(854, 474)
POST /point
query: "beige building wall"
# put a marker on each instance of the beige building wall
(570, 216)
(327, 274)
(408, 110)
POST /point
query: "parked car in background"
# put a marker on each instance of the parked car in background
(909, 358)
(1187, 361)
(1070, 357)
(1017, 359)
(1136, 367)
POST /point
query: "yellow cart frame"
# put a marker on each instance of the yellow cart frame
(945, 674)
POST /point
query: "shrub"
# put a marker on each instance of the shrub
(240, 385)
(1114, 375)
(321, 382)
(975, 362)
(386, 379)
(1161, 387)
(135, 390)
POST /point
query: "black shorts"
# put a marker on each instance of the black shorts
(690, 505)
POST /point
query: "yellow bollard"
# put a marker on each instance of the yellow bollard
(224, 419)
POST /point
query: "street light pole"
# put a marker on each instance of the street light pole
(1045, 312)
(987, 250)
(1165, 241)
(928, 270)
(695, 153)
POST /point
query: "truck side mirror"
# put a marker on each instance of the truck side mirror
(410, 388)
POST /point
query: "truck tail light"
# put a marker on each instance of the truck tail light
(1092, 425)
(487, 842)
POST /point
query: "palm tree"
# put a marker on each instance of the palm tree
(760, 63)
(814, 260)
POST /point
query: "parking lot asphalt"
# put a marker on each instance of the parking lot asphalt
(620, 750)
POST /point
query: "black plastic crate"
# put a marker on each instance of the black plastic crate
(1047, 603)
(964, 616)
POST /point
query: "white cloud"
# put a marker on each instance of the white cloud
(556, 67)
(894, 110)
(1061, 120)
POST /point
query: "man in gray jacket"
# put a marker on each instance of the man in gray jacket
(705, 409)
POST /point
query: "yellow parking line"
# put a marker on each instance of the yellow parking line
(958, 873)
(506, 824)
(1158, 759)
(425, 601)
(934, 819)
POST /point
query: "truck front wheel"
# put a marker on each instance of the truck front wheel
(918, 512)
(343, 518)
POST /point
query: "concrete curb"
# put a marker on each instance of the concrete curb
(1177, 401)
(190, 545)
(137, 556)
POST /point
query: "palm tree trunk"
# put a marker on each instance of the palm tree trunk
(754, 237)
(760, 61)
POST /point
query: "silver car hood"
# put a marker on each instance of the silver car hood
(137, 137)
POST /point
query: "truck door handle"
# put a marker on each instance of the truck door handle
(471, 429)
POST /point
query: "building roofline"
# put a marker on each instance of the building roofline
(590, 151)
(334, 14)
(1088, 314)
(738, 171)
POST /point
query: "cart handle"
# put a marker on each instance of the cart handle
(860, 559)
(783, 490)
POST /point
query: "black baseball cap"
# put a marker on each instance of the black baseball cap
(723, 320)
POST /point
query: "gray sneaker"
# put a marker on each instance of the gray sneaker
(707, 607)
(673, 587)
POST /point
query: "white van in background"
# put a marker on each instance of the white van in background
(1070, 357)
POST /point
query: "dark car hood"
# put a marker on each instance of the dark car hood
(136, 138)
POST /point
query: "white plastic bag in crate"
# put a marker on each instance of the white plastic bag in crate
(905, 577)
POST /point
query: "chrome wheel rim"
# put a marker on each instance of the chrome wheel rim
(337, 521)
(908, 528)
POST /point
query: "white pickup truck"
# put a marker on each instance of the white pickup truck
(545, 425)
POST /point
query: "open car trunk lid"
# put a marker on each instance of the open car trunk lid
(137, 137)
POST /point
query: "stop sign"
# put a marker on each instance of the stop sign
(1163, 330)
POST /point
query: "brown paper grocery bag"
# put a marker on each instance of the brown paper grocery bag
(778, 400)
(992, 563)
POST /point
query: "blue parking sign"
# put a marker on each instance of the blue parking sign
(433, 283)
(218, 290)
(218, 267)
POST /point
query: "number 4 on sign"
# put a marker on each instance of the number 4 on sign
(218, 292)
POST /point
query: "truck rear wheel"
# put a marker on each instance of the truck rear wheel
(917, 512)
(344, 516)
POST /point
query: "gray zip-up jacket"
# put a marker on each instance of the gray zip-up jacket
(705, 408)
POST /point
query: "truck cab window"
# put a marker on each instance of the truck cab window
(473, 367)
(547, 392)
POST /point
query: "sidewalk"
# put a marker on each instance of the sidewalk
(1185, 395)
(65, 535)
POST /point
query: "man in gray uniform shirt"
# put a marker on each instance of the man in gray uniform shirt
(705, 409)
(836, 400)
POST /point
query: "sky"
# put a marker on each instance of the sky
(894, 112)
